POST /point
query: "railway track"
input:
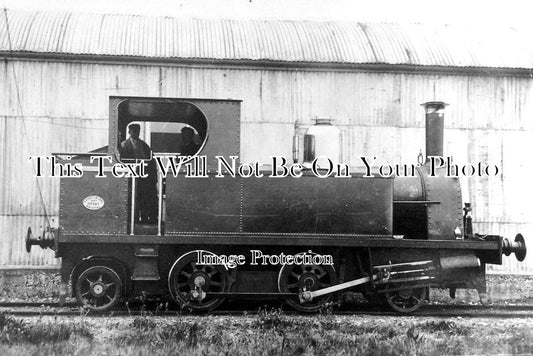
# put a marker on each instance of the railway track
(465, 311)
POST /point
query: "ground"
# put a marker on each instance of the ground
(266, 333)
(270, 332)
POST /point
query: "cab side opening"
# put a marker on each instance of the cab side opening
(149, 128)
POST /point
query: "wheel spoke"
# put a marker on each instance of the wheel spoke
(181, 277)
(396, 298)
(195, 267)
(293, 279)
(109, 285)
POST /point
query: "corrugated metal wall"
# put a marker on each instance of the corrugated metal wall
(64, 107)
(468, 45)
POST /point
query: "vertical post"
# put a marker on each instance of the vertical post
(160, 202)
(132, 227)
(434, 128)
(296, 143)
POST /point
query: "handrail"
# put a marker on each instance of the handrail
(132, 228)
(160, 202)
(80, 154)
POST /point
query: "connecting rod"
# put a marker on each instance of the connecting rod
(307, 296)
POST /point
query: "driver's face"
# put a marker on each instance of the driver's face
(133, 133)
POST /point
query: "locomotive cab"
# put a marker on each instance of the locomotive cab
(171, 129)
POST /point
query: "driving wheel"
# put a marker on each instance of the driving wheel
(98, 288)
(191, 283)
(301, 278)
(406, 300)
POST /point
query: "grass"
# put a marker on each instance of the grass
(13, 331)
(269, 332)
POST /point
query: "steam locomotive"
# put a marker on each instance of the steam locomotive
(217, 228)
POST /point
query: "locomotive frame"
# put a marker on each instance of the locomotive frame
(390, 238)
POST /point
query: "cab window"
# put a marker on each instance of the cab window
(169, 128)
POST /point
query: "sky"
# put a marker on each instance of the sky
(510, 12)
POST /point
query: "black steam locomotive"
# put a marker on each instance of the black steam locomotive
(201, 226)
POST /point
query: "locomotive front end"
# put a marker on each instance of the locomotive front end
(430, 205)
(434, 241)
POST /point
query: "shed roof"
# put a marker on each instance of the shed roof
(274, 41)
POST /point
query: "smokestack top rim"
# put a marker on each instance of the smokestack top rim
(438, 104)
(323, 121)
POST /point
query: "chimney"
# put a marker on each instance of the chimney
(434, 128)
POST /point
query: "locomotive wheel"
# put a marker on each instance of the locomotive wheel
(98, 288)
(186, 277)
(300, 278)
(406, 300)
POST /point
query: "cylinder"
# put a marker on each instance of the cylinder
(434, 128)
(459, 262)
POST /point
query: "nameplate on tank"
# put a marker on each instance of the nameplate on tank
(93, 202)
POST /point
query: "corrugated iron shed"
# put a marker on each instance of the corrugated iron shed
(64, 101)
(106, 35)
